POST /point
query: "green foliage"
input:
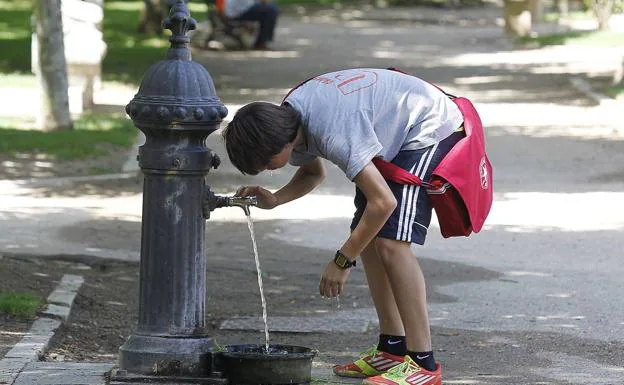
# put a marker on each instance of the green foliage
(618, 5)
(93, 135)
(19, 304)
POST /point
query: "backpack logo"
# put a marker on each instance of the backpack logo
(483, 173)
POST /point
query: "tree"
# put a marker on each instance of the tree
(618, 75)
(517, 17)
(152, 16)
(603, 9)
(51, 67)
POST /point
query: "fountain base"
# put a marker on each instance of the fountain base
(177, 360)
(122, 377)
(283, 365)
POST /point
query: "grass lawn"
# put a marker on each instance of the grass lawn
(93, 135)
(129, 53)
(586, 38)
(552, 17)
(15, 33)
(129, 56)
(616, 92)
(19, 305)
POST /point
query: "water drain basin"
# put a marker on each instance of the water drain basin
(283, 365)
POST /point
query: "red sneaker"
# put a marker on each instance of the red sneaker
(372, 362)
(408, 373)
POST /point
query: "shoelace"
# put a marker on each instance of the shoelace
(403, 369)
(370, 352)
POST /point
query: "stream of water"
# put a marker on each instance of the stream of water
(264, 306)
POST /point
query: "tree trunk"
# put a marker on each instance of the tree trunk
(603, 9)
(517, 17)
(618, 75)
(563, 6)
(52, 68)
(537, 11)
(152, 16)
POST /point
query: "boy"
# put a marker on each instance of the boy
(350, 117)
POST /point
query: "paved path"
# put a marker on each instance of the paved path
(554, 236)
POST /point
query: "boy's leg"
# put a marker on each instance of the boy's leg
(395, 279)
(408, 288)
(389, 318)
(380, 290)
(408, 224)
(378, 360)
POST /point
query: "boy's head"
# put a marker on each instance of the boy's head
(258, 132)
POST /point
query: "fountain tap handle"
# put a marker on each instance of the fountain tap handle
(213, 201)
(242, 202)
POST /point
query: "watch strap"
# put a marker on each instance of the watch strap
(342, 261)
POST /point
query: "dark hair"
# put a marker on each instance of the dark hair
(259, 131)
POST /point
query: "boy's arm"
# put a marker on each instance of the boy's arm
(380, 203)
(305, 180)
(307, 177)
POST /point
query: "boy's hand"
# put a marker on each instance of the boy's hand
(266, 199)
(333, 280)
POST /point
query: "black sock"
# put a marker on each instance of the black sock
(423, 359)
(392, 344)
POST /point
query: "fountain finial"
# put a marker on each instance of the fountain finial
(179, 23)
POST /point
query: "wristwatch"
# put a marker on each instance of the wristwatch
(342, 261)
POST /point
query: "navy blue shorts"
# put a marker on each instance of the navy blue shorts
(411, 217)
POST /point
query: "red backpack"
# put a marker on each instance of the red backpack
(460, 187)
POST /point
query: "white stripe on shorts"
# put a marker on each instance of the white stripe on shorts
(409, 208)
(422, 175)
(406, 188)
(404, 227)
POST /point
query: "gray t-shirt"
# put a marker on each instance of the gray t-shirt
(351, 116)
(235, 8)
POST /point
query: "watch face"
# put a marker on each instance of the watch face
(342, 261)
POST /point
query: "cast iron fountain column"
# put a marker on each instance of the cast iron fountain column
(176, 108)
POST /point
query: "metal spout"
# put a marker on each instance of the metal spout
(242, 202)
(213, 201)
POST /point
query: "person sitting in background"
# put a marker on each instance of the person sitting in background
(263, 11)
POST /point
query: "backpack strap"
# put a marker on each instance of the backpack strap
(394, 173)
(297, 86)
(403, 72)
